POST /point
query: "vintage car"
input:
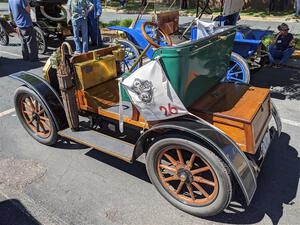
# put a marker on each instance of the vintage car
(196, 161)
(49, 19)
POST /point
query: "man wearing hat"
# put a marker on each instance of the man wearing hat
(282, 46)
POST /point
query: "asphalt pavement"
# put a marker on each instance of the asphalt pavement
(72, 184)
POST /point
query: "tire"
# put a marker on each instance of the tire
(41, 40)
(238, 70)
(4, 38)
(216, 198)
(34, 116)
(131, 55)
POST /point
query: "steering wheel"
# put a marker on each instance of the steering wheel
(158, 35)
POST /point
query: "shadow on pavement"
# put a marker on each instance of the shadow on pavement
(9, 66)
(13, 212)
(66, 144)
(136, 169)
(277, 185)
(285, 82)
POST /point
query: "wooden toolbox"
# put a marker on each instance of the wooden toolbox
(242, 112)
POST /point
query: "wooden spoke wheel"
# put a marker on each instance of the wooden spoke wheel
(189, 176)
(34, 116)
(155, 35)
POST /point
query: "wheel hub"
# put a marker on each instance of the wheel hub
(185, 175)
(35, 116)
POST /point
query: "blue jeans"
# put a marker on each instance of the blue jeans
(80, 25)
(283, 56)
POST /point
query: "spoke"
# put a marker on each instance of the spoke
(189, 187)
(36, 105)
(31, 104)
(37, 127)
(171, 169)
(45, 125)
(26, 105)
(180, 156)
(203, 181)
(171, 159)
(27, 112)
(42, 126)
(180, 187)
(200, 189)
(200, 170)
(191, 162)
(44, 118)
(41, 112)
(233, 67)
(171, 178)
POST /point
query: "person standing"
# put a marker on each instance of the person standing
(93, 24)
(20, 12)
(79, 10)
(297, 8)
(282, 47)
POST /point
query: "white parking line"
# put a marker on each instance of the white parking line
(12, 54)
(20, 56)
(6, 112)
(290, 122)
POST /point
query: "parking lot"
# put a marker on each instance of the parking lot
(72, 184)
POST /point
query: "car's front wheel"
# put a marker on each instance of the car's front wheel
(34, 116)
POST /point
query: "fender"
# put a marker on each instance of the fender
(47, 94)
(219, 141)
(136, 37)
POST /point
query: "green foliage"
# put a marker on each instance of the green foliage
(267, 40)
(122, 23)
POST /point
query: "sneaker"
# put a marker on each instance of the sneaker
(77, 53)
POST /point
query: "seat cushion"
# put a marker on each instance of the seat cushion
(94, 72)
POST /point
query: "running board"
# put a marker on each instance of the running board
(104, 143)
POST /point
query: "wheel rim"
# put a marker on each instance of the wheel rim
(35, 117)
(236, 72)
(40, 41)
(130, 57)
(3, 36)
(187, 176)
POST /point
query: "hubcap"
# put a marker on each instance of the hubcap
(187, 176)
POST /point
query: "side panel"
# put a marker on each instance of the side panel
(226, 148)
(48, 95)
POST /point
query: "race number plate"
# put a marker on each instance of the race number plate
(265, 144)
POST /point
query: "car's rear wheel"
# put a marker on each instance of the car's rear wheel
(41, 40)
(4, 38)
(34, 116)
(189, 176)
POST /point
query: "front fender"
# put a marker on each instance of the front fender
(47, 94)
(221, 143)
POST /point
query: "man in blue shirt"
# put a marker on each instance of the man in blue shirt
(20, 11)
(93, 23)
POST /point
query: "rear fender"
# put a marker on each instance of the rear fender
(215, 138)
(47, 94)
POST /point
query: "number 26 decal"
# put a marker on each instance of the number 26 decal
(169, 110)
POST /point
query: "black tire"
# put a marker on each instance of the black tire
(222, 189)
(41, 40)
(42, 128)
(129, 46)
(4, 38)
